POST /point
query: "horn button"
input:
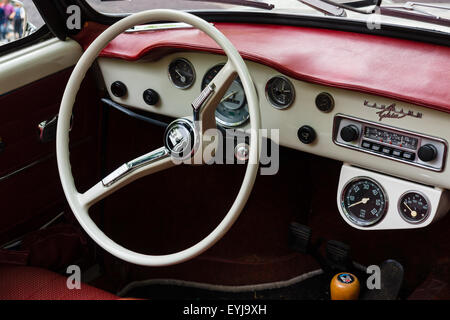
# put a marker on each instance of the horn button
(180, 138)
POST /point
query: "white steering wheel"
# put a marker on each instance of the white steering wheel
(163, 158)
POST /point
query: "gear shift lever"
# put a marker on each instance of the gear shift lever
(344, 286)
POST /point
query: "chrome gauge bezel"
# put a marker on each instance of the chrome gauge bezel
(233, 124)
(219, 121)
(426, 199)
(193, 74)
(274, 103)
(353, 219)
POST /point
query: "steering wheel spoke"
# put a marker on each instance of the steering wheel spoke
(205, 105)
(130, 171)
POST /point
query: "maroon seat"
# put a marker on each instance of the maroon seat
(29, 283)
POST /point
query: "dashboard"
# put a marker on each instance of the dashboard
(395, 173)
(364, 131)
(321, 108)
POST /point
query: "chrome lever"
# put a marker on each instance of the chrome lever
(201, 99)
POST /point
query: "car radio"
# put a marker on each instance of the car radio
(388, 142)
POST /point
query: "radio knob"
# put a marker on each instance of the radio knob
(350, 133)
(427, 152)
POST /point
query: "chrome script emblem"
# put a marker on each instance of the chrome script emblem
(390, 111)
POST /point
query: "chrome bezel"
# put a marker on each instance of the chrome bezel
(193, 72)
(232, 125)
(222, 122)
(273, 103)
(355, 220)
(406, 219)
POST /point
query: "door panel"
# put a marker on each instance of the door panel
(30, 190)
(36, 62)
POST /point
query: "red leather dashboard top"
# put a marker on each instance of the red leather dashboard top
(400, 69)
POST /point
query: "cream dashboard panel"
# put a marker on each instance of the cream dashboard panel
(141, 75)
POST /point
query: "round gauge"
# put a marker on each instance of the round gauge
(364, 201)
(232, 111)
(181, 73)
(414, 207)
(280, 92)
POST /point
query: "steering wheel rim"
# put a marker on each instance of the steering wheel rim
(78, 203)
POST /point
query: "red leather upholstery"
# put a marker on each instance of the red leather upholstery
(29, 283)
(406, 70)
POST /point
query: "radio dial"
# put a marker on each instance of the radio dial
(427, 152)
(350, 133)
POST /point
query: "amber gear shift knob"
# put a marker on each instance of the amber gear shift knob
(344, 286)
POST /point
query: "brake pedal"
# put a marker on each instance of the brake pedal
(338, 255)
(299, 237)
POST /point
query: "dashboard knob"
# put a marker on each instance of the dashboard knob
(306, 134)
(349, 133)
(324, 102)
(151, 97)
(427, 152)
(119, 89)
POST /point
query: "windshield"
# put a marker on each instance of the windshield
(132, 6)
(429, 12)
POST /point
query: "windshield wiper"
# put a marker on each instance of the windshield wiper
(334, 8)
(410, 11)
(407, 11)
(325, 7)
(245, 3)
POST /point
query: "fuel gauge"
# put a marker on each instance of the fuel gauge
(414, 207)
(181, 73)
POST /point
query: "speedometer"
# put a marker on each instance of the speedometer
(232, 110)
(364, 201)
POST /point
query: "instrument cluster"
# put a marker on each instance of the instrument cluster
(373, 201)
(232, 110)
